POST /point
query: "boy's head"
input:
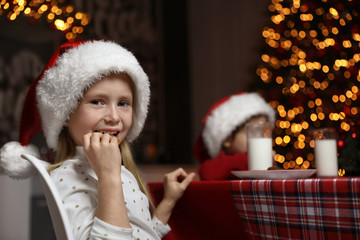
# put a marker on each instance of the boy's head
(237, 141)
(224, 117)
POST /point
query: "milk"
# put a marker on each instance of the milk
(259, 153)
(326, 158)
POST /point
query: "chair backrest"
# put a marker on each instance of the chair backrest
(56, 208)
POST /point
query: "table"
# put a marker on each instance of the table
(313, 208)
(206, 211)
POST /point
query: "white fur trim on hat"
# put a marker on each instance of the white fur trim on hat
(61, 88)
(231, 114)
(13, 164)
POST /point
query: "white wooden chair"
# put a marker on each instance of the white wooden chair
(56, 208)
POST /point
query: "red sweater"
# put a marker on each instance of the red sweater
(220, 168)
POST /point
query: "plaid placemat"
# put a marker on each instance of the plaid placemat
(327, 208)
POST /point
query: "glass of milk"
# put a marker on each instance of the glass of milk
(259, 145)
(326, 160)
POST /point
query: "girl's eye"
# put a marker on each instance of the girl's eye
(123, 104)
(96, 102)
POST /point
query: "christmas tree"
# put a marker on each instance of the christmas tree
(310, 74)
(59, 14)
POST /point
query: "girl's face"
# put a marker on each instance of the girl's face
(238, 143)
(106, 107)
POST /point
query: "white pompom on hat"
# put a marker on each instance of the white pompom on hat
(55, 94)
(224, 117)
(11, 162)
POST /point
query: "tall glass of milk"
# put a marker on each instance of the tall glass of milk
(259, 145)
(326, 160)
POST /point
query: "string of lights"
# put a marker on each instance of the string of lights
(60, 15)
(310, 68)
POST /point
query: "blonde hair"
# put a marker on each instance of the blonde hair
(130, 165)
(66, 149)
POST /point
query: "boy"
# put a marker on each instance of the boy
(222, 144)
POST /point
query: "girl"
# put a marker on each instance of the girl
(222, 144)
(92, 99)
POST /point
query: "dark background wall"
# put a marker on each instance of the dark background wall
(224, 38)
(177, 82)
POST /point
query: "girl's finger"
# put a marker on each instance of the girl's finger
(187, 180)
(105, 138)
(95, 137)
(178, 175)
(181, 174)
(86, 140)
(114, 140)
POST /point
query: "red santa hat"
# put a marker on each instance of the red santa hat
(55, 94)
(224, 117)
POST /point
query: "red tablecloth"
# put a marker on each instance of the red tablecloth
(206, 211)
(327, 208)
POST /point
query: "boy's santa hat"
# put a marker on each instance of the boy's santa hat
(224, 117)
(55, 94)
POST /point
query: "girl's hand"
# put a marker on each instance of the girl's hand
(175, 183)
(104, 157)
(103, 153)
